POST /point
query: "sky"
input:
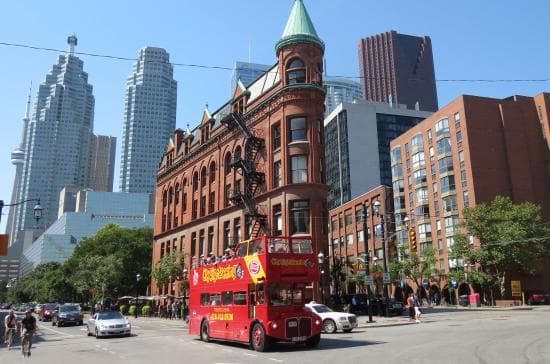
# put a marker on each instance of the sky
(471, 39)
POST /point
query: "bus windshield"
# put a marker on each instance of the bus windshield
(285, 294)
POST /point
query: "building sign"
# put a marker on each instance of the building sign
(516, 288)
(386, 278)
(369, 279)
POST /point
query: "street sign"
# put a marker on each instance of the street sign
(516, 288)
(454, 283)
(368, 279)
(386, 278)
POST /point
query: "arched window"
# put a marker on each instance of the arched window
(295, 72)
(227, 163)
(212, 172)
(184, 197)
(177, 195)
(195, 182)
(170, 195)
(203, 177)
(238, 154)
(164, 199)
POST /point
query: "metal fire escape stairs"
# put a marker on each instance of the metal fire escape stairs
(252, 178)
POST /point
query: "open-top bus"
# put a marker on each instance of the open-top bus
(257, 295)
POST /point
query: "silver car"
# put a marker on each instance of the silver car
(108, 323)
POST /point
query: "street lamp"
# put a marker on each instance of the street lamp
(37, 208)
(138, 278)
(321, 259)
(367, 259)
(184, 277)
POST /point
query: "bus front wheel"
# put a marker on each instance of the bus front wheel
(205, 331)
(313, 341)
(260, 341)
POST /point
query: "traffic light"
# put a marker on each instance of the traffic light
(412, 241)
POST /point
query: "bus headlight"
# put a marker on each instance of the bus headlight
(274, 325)
(317, 322)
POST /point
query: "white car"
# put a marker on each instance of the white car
(332, 320)
(108, 323)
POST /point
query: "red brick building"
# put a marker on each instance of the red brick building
(252, 167)
(468, 152)
(347, 232)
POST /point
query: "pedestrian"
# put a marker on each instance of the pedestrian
(174, 310)
(410, 307)
(168, 310)
(436, 298)
(417, 310)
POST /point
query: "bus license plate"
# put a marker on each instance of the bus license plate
(299, 338)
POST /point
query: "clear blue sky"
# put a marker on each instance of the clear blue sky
(471, 39)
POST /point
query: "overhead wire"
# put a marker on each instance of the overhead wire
(203, 66)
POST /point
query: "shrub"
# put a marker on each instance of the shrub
(145, 310)
(123, 309)
(132, 310)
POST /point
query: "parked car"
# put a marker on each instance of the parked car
(395, 308)
(66, 314)
(46, 311)
(332, 320)
(537, 297)
(108, 323)
(5, 306)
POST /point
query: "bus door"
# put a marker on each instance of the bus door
(256, 297)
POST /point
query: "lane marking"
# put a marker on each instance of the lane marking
(249, 354)
(57, 332)
(277, 360)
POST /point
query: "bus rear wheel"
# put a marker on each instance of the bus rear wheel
(260, 341)
(205, 331)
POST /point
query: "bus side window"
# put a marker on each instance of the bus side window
(227, 298)
(239, 298)
(215, 300)
(205, 299)
(260, 295)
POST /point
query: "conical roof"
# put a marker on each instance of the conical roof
(299, 28)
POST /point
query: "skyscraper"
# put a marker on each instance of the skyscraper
(149, 119)
(398, 68)
(340, 90)
(18, 160)
(247, 72)
(102, 163)
(58, 138)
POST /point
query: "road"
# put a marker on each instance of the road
(487, 336)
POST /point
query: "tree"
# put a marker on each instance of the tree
(415, 267)
(168, 269)
(512, 238)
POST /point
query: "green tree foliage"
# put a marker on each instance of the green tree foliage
(415, 267)
(512, 238)
(168, 269)
(102, 266)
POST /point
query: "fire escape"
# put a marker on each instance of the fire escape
(252, 178)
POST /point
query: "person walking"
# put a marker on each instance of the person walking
(417, 311)
(169, 310)
(410, 307)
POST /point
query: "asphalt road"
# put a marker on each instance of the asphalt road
(487, 336)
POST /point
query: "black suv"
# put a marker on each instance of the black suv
(65, 314)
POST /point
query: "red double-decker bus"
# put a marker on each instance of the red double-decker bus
(257, 295)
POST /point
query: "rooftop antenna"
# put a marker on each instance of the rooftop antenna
(72, 41)
(28, 107)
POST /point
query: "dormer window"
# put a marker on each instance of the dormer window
(296, 72)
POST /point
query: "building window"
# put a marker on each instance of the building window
(203, 177)
(447, 184)
(276, 136)
(203, 205)
(194, 209)
(212, 172)
(399, 186)
(463, 178)
(420, 176)
(421, 196)
(212, 202)
(349, 239)
(417, 143)
(295, 72)
(445, 164)
(226, 234)
(298, 129)
(432, 153)
(451, 224)
(227, 163)
(193, 244)
(436, 207)
(236, 230)
(418, 160)
(210, 238)
(227, 196)
(397, 171)
(396, 155)
(461, 158)
(459, 138)
(334, 225)
(466, 199)
(335, 244)
(444, 146)
(277, 174)
(202, 245)
(277, 220)
(299, 217)
(441, 127)
(360, 236)
(449, 204)
(424, 231)
(430, 136)
(348, 220)
(457, 120)
(298, 164)
(195, 182)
